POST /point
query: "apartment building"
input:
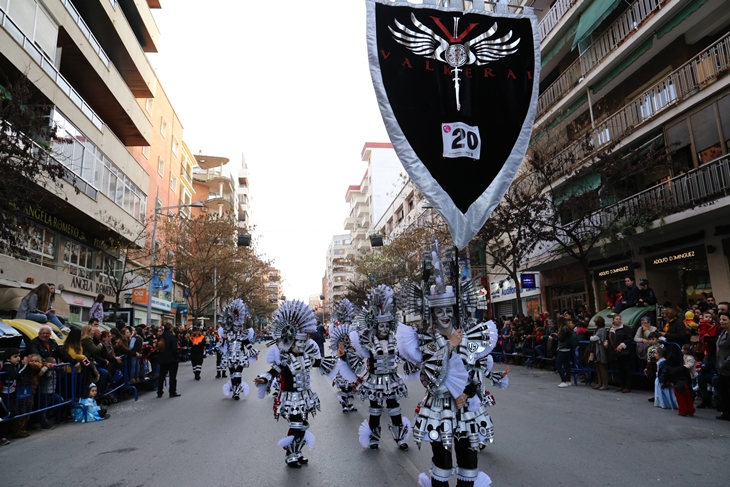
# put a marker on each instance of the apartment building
(338, 271)
(243, 196)
(214, 186)
(368, 200)
(640, 74)
(274, 287)
(86, 62)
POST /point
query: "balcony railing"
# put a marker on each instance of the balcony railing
(706, 183)
(49, 68)
(86, 31)
(677, 86)
(552, 18)
(629, 22)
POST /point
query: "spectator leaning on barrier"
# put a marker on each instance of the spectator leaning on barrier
(44, 345)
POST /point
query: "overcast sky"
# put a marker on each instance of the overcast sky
(285, 83)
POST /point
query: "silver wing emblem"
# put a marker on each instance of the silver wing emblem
(480, 51)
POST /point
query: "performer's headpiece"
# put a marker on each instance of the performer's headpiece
(379, 308)
(441, 286)
(234, 314)
(293, 321)
(345, 311)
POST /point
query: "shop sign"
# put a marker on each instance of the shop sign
(91, 286)
(615, 270)
(77, 299)
(506, 289)
(55, 222)
(678, 256)
(139, 296)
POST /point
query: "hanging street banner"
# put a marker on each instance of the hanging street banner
(162, 278)
(458, 94)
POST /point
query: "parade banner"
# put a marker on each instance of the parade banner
(458, 94)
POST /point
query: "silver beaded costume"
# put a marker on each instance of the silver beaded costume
(449, 373)
(236, 346)
(375, 342)
(291, 359)
(344, 365)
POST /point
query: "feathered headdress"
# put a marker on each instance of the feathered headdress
(340, 334)
(441, 286)
(345, 311)
(380, 308)
(293, 321)
(234, 314)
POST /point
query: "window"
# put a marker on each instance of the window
(174, 146)
(148, 103)
(706, 135)
(161, 166)
(89, 163)
(77, 260)
(111, 269)
(163, 128)
(40, 244)
(173, 183)
(146, 151)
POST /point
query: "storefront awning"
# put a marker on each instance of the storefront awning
(591, 18)
(577, 187)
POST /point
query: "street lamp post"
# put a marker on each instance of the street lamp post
(197, 204)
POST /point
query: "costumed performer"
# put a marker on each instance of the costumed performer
(236, 346)
(292, 355)
(345, 364)
(449, 349)
(375, 342)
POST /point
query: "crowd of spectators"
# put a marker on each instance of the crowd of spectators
(36, 377)
(683, 352)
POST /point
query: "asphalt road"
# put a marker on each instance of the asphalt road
(546, 436)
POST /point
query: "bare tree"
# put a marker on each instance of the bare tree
(30, 175)
(122, 265)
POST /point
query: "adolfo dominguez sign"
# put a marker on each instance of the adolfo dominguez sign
(458, 94)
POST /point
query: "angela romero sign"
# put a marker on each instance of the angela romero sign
(458, 94)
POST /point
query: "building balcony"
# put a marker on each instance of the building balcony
(629, 23)
(553, 17)
(143, 24)
(681, 84)
(349, 223)
(698, 186)
(219, 201)
(116, 35)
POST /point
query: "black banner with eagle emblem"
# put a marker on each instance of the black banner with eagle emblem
(458, 94)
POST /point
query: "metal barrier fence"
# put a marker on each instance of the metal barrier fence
(60, 387)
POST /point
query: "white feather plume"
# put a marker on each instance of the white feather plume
(309, 438)
(407, 339)
(246, 388)
(227, 388)
(355, 342)
(262, 389)
(273, 356)
(286, 441)
(455, 382)
(424, 480)
(363, 434)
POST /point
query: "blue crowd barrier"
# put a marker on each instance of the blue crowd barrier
(70, 385)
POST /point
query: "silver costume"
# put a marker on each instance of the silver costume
(236, 346)
(450, 373)
(291, 362)
(375, 342)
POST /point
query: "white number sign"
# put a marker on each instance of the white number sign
(461, 140)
